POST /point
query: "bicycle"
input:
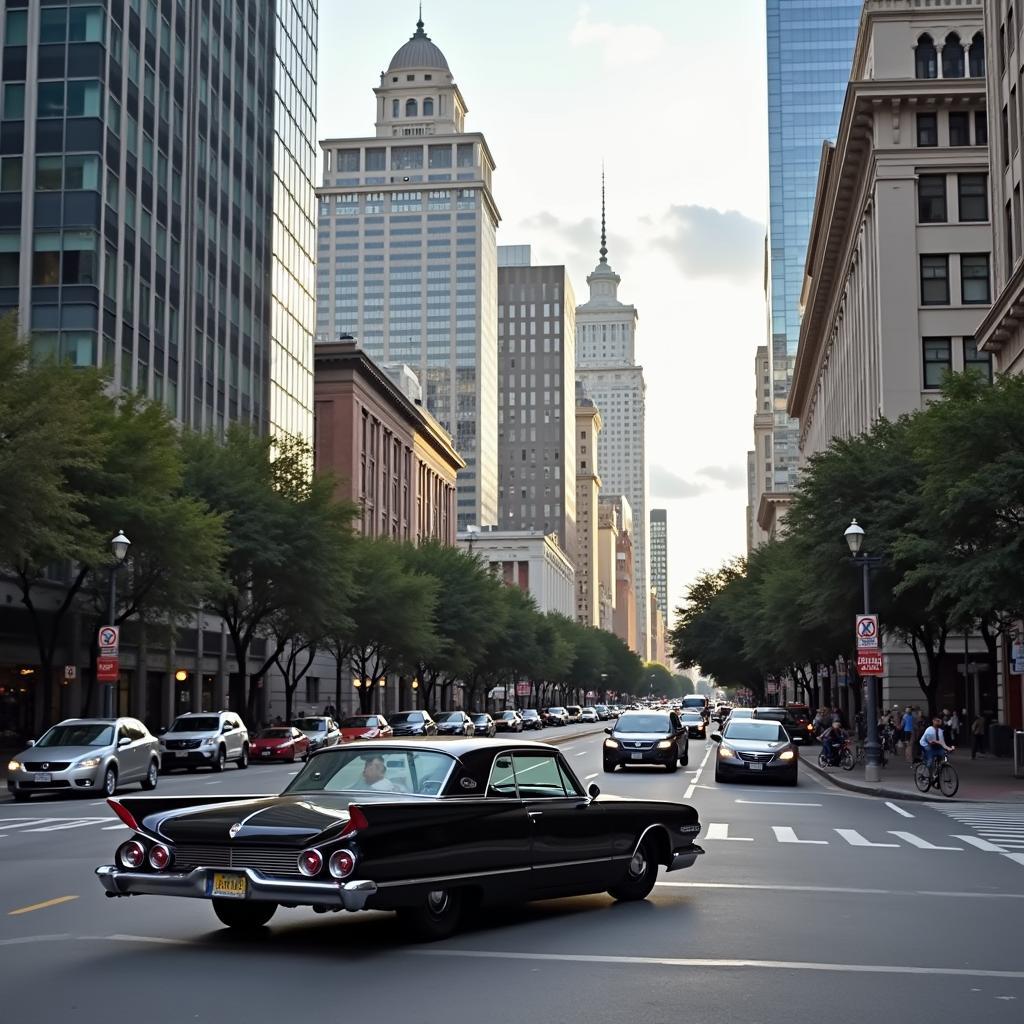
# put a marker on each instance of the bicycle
(941, 776)
(844, 758)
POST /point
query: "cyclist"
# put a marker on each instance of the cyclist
(832, 741)
(933, 742)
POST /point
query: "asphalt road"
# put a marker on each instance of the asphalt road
(812, 904)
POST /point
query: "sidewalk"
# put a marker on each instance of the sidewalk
(985, 780)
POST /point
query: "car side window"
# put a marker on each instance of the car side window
(674, 720)
(502, 782)
(538, 775)
(571, 788)
(122, 732)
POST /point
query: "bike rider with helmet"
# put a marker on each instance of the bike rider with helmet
(832, 740)
(933, 742)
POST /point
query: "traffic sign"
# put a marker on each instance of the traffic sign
(108, 640)
(523, 688)
(870, 663)
(107, 669)
(70, 671)
(867, 632)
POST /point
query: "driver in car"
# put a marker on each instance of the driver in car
(374, 775)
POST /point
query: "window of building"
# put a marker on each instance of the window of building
(16, 28)
(935, 280)
(953, 57)
(931, 199)
(937, 361)
(981, 362)
(972, 197)
(411, 108)
(10, 259)
(46, 258)
(405, 158)
(974, 278)
(977, 56)
(927, 130)
(395, 108)
(439, 156)
(375, 159)
(428, 107)
(14, 101)
(49, 173)
(10, 174)
(50, 98)
(980, 128)
(465, 154)
(347, 160)
(926, 62)
(959, 128)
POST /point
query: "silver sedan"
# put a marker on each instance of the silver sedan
(86, 755)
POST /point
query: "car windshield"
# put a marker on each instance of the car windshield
(450, 716)
(403, 717)
(478, 719)
(694, 702)
(691, 716)
(311, 724)
(85, 734)
(741, 713)
(374, 770)
(275, 734)
(556, 711)
(201, 723)
(508, 714)
(642, 723)
(359, 722)
(767, 732)
(529, 714)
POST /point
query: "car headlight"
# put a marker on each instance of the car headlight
(724, 751)
(665, 744)
(786, 755)
(611, 745)
(89, 762)
(14, 766)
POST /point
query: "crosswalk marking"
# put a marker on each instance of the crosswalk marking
(784, 834)
(981, 844)
(921, 844)
(999, 826)
(854, 838)
(718, 830)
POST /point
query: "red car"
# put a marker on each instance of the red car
(279, 743)
(365, 727)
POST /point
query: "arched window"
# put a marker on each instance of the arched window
(953, 57)
(428, 107)
(394, 108)
(978, 56)
(926, 58)
(410, 108)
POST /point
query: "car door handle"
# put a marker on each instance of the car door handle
(535, 814)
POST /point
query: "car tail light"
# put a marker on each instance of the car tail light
(131, 855)
(124, 814)
(342, 863)
(159, 857)
(356, 820)
(311, 863)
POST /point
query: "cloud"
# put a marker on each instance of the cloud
(622, 45)
(706, 242)
(666, 484)
(734, 477)
(579, 240)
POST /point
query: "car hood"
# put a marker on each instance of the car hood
(61, 753)
(288, 820)
(640, 735)
(201, 735)
(757, 746)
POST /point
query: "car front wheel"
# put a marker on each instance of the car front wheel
(641, 874)
(152, 774)
(20, 796)
(243, 761)
(610, 766)
(110, 781)
(243, 915)
(436, 917)
(220, 760)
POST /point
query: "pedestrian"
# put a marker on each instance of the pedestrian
(906, 728)
(977, 735)
(920, 724)
(954, 727)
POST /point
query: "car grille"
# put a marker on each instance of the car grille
(756, 758)
(56, 784)
(47, 766)
(267, 859)
(182, 744)
(637, 744)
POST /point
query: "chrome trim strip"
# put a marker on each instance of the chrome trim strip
(657, 824)
(452, 878)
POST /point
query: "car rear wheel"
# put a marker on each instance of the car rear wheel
(641, 874)
(110, 781)
(243, 761)
(243, 915)
(152, 774)
(436, 916)
(220, 760)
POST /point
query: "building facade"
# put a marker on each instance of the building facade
(528, 559)
(607, 545)
(536, 399)
(759, 460)
(588, 487)
(616, 511)
(809, 47)
(169, 236)
(659, 562)
(606, 365)
(407, 256)
(390, 456)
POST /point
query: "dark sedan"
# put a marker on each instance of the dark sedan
(532, 719)
(454, 723)
(693, 722)
(483, 724)
(411, 826)
(755, 748)
(787, 720)
(646, 737)
(556, 716)
(508, 721)
(412, 723)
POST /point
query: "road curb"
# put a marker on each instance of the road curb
(574, 736)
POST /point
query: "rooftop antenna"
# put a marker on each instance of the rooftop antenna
(604, 239)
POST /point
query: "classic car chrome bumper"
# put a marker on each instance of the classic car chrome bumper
(349, 895)
(685, 858)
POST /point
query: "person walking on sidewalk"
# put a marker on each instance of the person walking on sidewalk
(915, 737)
(977, 735)
(906, 730)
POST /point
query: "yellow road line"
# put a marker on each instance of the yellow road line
(41, 906)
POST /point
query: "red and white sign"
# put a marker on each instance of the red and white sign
(523, 689)
(108, 639)
(107, 669)
(870, 663)
(867, 632)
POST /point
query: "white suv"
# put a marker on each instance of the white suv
(205, 738)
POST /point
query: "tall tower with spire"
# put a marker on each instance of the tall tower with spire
(606, 366)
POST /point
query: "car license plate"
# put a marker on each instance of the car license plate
(181, 753)
(228, 885)
(637, 757)
(265, 753)
(42, 777)
(755, 766)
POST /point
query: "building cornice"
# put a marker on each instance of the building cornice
(1005, 317)
(768, 508)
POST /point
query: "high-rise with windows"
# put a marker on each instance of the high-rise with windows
(407, 256)
(156, 198)
(659, 559)
(810, 46)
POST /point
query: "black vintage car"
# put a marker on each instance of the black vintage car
(647, 737)
(426, 828)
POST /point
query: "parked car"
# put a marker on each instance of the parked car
(279, 743)
(320, 730)
(556, 716)
(412, 723)
(454, 723)
(364, 727)
(207, 739)
(603, 712)
(693, 722)
(508, 721)
(647, 737)
(86, 755)
(802, 714)
(589, 714)
(483, 724)
(532, 719)
(405, 826)
(573, 711)
(785, 718)
(755, 747)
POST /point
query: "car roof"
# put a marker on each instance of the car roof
(457, 745)
(91, 721)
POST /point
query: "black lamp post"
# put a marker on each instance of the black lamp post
(872, 748)
(119, 545)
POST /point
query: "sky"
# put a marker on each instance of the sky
(671, 96)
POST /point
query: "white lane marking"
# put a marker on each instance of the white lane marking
(784, 834)
(775, 803)
(77, 823)
(293, 773)
(718, 830)
(660, 961)
(854, 838)
(693, 785)
(921, 844)
(761, 887)
(140, 938)
(25, 939)
(582, 753)
(589, 777)
(24, 822)
(981, 844)
(1017, 858)
(898, 809)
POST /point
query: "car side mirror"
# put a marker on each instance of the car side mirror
(594, 791)
(227, 727)
(161, 730)
(124, 741)
(716, 737)
(31, 743)
(608, 731)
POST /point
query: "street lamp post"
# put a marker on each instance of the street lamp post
(119, 545)
(872, 748)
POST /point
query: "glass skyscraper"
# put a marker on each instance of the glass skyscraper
(156, 198)
(810, 50)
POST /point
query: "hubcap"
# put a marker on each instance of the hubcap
(638, 865)
(437, 901)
